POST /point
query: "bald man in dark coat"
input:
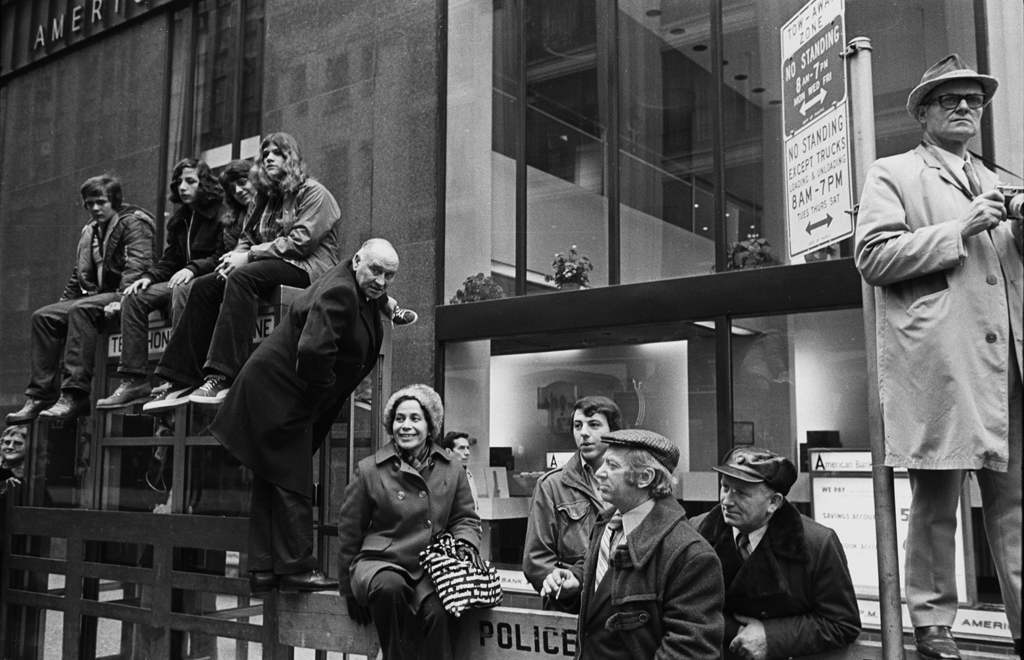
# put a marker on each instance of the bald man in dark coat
(285, 399)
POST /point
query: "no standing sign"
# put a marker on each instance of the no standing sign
(816, 127)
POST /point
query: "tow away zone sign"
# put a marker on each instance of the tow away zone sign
(816, 127)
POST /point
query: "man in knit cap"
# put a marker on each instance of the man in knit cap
(649, 585)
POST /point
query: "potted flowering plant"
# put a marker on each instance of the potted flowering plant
(478, 287)
(754, 252)
(571, 270)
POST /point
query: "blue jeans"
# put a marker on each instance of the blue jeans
(66, 329)
(214, 333)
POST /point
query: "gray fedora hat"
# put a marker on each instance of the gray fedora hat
(950, 67)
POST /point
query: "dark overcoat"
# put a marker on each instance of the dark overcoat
(665, 598)
(290, 390)
(796, 582)
(391, 512)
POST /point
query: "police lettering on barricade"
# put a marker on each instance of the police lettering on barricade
(510, 633)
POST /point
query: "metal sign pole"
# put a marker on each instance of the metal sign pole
(862, 111)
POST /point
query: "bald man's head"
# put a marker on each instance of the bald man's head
(375, 264)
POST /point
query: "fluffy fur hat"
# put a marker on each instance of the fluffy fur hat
(427, 398)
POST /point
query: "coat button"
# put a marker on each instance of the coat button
(423, 494)
(991, 279)
(991, 337)
(401, 494)
(426, 523)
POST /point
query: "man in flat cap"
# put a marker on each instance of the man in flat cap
(933, 240)
(649, 585)
(788, 590)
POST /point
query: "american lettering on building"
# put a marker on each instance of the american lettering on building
(33, 31)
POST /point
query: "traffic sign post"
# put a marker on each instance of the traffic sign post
(816, 128)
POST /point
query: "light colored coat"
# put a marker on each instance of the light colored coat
(948, 313)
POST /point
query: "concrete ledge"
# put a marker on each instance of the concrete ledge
(320, 621)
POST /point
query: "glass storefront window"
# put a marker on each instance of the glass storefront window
(516, 396)
(216, 89)
(620, 99)
(665, 141)
(566, 122)
(800, 380)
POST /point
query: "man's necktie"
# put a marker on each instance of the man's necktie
(609, 540)
(743, 545)
(972, 178)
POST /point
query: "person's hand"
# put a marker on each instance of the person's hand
(465, 551)
(229, 261)
(750, 642)
(559, 584)
(8, 484)
(138, 285)
(112, 308)
(358, 613)
(986, 212)
(183, 276)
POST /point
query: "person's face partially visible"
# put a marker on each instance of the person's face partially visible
(188, 187)
(12, 445)
(273, 158)
(951, 129)
(746, 506)
(374, 273)
(461, 449)
(410, 427)
(587, 431)
(99, 207)
(243, 191)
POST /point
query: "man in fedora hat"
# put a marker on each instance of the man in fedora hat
(788, 590)
(933, 240)
(649, 585)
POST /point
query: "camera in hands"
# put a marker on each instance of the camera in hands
(1013, 198)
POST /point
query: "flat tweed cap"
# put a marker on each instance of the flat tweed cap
(663, 450)
(755, 465)
(950, 67)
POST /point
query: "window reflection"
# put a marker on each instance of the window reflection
(666, 111)
(516, 395)
(800, 379)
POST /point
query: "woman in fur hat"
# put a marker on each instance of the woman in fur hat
(404, 495)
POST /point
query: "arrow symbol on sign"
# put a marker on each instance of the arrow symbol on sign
(824, 222)
(814, 100)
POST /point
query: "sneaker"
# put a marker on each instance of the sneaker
(166, 396)
(131, 390)
(212, 391)
(403, 316)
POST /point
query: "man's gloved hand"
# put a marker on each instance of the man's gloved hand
(357, 612)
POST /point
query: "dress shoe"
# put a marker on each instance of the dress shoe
(68, 406)
(29, 411)
(262, 581)
(308, 581)
(936, 642)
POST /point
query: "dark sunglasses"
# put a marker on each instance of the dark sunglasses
(952, 101)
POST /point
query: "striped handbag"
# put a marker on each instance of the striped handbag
(462, 579)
